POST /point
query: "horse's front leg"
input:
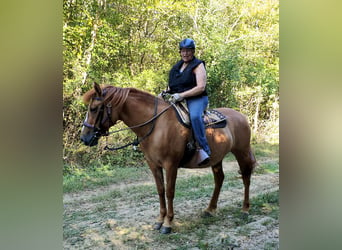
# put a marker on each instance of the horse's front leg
(171, 176)
(159, 180)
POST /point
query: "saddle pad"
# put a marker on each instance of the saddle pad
(212, 118)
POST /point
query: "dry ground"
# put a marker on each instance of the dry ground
(120, 216)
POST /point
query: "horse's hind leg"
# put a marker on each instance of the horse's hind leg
(246, 162)
(218, 177)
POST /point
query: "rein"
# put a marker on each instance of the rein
(137, 141)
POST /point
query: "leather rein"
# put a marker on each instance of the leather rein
(138, 140)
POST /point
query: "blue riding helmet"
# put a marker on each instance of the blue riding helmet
(187, 44)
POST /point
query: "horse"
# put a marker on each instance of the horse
(163, 141)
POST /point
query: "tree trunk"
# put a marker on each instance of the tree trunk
(256, 115)
(88, 52)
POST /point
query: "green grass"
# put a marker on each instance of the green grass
(191, 230)
(78, 179)
(108, 196)
(260, 150)
(83, 179)
(196, 227)
(266, 204)
(266, 150)
(191, 188)
(269, 167)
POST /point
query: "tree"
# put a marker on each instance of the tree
(134, 44)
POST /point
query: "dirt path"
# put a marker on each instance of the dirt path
(119, 216)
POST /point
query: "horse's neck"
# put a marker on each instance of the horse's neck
(137, 111)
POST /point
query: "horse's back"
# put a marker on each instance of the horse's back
(233, 115)
(238, 125)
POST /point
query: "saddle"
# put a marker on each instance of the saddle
(212, 118)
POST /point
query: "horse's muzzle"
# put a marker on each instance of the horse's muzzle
(90, 140)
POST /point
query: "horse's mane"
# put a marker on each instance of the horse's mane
(141, 94)
(117, 93)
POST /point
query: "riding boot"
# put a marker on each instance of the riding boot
(203, 157)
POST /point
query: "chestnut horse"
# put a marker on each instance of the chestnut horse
(163, 140)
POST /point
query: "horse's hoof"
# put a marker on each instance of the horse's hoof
(206, 214)
(157, 225)
(165, 230)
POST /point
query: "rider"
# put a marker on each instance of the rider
(187, 80)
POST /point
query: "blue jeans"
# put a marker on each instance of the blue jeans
(196, 108)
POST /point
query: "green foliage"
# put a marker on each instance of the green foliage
(135, 43)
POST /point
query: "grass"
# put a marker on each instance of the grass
(266, 204)
(227, 217)
(193, 187)
(264, 168)
(266, 150)
(97, 216)
(93, 177)
(190, 232)
(108, 196)
(83, 179)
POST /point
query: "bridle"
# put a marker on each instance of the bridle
(98, 132)
(138, 140)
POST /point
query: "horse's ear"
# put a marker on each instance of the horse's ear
(97, 89)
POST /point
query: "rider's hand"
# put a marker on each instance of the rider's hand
(177, 98)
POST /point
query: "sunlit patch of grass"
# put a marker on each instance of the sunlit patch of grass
(269, 167)
(202, 186)
(260, 150)
(83, 179)
(266, 150)
(194, 187)
(130, 194)
(107, 196)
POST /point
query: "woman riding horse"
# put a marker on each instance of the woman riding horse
(187, 80)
